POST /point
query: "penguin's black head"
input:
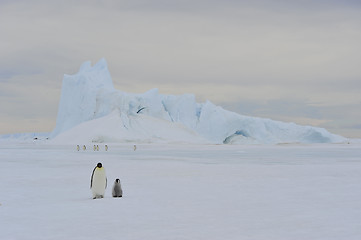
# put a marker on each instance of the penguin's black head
(99, 165)
(117, 180)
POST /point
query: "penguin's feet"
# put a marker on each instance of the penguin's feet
(98, 196)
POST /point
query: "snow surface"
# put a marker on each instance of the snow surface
(89, 96)
(240, 192)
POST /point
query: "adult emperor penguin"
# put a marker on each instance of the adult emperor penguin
(117, 189)
(98, 182)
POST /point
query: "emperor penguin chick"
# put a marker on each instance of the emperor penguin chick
(117, 189)
(98, 182)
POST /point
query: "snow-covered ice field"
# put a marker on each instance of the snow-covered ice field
(255, 192)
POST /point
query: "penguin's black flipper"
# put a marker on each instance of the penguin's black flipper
(91, 179)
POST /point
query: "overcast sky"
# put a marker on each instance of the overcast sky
(294, 61)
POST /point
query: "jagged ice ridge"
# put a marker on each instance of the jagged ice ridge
(92, 110)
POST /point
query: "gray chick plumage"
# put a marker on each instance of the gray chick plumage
(117, 189)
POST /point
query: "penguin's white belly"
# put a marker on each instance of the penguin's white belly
(99, 182)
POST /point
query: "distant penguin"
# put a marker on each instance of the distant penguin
(98, 182)
(117, 189)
